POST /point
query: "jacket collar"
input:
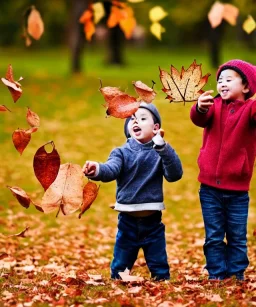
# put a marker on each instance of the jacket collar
(134, 144)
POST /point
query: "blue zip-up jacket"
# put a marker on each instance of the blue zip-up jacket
(139, 170)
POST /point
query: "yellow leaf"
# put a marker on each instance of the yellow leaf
(215, 14)
(99, 12)
(135, 1)
(157, 13)
(230, 13)
(156, 29)
(249, 24)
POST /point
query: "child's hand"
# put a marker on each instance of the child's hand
(158, 140)
(205, 101)
(90, 168)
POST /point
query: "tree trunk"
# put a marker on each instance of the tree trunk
(76, 35)
(115, 42)
(215, 37)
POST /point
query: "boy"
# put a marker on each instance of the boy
(138, 168)
(226, 162)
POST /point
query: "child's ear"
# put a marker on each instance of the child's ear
(156, 127)
(246, 89)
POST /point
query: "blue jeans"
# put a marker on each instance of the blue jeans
(225, 213)
(134, 233)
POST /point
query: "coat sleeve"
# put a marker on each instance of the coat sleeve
(171, 163)
(111, 169)
(201, 119)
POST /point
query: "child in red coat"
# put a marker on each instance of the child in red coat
(226, 163)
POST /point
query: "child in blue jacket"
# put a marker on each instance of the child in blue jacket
(138, 168)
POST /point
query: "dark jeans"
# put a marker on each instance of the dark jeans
(225, 213)
(147, 233)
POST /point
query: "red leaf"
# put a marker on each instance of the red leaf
(13, 86)
(46, 165)
(20, 139)
(90, 193)
(146, 93)
(21, 196)
(3, 108)
(20, 234)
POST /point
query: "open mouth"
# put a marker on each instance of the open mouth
(136, 129)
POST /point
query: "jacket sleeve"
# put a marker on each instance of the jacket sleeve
(201, 119)
(111, 169)
(253, 112)
(171, 163)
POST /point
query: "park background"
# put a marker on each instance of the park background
(61, 84)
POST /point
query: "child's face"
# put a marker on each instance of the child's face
(141, 126)
(230, 86)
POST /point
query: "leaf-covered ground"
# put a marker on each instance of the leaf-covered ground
(65, 261)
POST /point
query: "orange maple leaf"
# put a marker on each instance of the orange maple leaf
(87, 20)
(185, 86)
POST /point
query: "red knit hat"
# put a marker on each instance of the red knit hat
(246, 70)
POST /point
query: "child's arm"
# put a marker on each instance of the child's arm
(91, 168)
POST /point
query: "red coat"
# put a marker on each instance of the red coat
(227, 155)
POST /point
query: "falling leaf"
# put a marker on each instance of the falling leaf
(157, 29)
(157, 13)
(21, 196)
(125, 275)
(90, 192)
(215, 14)
(87, 20)
(249, 24)
(32, 118)
(230, 13)
(3, 108)
(66, 192)
(20, 139)
(46, 165)
(109, 93)
(20, 234)
(123, 106)
(13, 86)
(146, 93)
(98, 11)
(35, 27)
(220, 11)
(184, 86)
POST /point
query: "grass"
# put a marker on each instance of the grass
(71, 112)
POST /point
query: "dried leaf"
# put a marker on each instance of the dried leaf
(13, 86)
(125, 275)
(20, 234)
(21, 138)
(157, 13)
(21, 196)
(146, 93)
(46, 165)
(215, 14)
(185, 86)
(109, 93)
(98, 11)
(87, 20)
(249, 25)
(66, 192)
(32, 118)
(123, 106)
(35, 26)
(157, 29)
(230, 13)
(3, 108)
(90, 193)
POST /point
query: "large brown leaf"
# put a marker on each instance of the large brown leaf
(110, 92)
(145, 93)
(46, 165)
(13, 86)
(90, 193)
(185, 86)
(66, 192)
(123, 106)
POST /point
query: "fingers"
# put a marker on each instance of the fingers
(205, 100)
(89, 168)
